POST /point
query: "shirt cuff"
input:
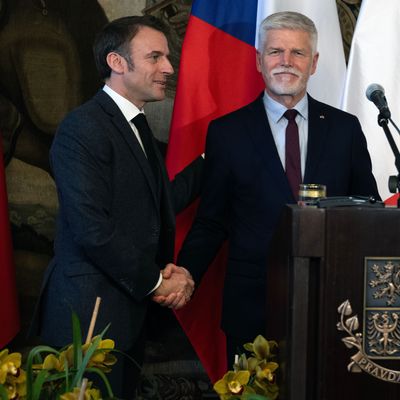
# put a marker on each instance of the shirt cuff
(157, 285)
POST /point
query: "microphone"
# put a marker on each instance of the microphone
(376, 94)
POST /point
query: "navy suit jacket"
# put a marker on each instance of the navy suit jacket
(115, 226)
(245, 190)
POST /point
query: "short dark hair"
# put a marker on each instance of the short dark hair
(116, 36)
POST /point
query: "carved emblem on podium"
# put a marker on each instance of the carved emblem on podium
(381, 329)
(387, 281)
(383, 334)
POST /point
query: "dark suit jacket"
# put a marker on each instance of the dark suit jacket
(115, 226)
(245, 189)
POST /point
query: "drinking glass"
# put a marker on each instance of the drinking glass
(309, 193)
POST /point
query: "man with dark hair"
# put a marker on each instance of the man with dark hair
(256, 157)
(116, 221)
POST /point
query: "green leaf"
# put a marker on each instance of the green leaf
(93, 346)
(3, 393)
(29, 372)
(254, 397)
(56, 376)
(104, 379)
(76, 382)
(103, 332)
(67, 375)
(76, 340)
(38, 384)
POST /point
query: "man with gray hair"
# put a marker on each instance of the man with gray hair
(256, 157)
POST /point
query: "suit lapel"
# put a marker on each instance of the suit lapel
(123, 128)
(317, 131)
(261, 135)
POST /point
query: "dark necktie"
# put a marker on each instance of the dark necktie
(145, 134)
(292, 152)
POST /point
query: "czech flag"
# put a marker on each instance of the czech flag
(217, 75)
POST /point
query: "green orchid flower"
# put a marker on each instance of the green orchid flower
(261, 347)
(266, 371)
(9, 364)
(12, 377)
(232, 383)
(253, 377)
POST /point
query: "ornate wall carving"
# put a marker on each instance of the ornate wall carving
(348, 12)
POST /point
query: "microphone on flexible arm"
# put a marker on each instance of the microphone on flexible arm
(376, 94)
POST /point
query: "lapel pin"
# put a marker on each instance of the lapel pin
(322, 116)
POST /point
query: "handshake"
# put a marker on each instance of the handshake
(176, 287)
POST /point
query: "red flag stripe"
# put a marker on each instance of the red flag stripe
(217, 75)
(211, 83)
(9, 314)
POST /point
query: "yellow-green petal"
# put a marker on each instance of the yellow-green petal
(221, 387)
(15, 358)
(252, 364)
(3, 354)
(107, 344)
(243, 377)
(51, 362)
(261, 347)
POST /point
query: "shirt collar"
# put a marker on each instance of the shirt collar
(128, 109)
(276, 110)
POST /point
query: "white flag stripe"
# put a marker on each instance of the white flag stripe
(328, 82)
(375, 58)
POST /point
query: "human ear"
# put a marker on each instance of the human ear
(314, 63)
(258, 61)
(116, 62)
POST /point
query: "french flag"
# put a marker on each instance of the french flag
(217, 75)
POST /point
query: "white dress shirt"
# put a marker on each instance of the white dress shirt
(128, 109)
(278, 124)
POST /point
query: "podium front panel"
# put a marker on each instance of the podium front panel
(316, 263)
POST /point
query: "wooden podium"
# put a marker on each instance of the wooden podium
(316, 263)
